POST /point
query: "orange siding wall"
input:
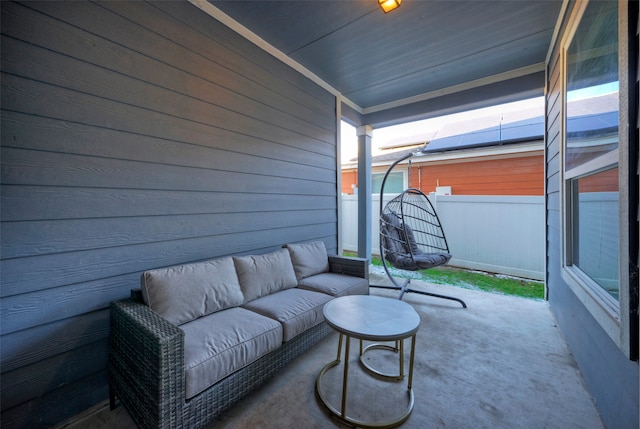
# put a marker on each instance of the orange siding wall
(606, 181)
(349, 177)
(512, 176)
(509, 176)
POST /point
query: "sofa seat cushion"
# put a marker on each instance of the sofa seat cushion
(296, 309)
(335, 284)
(185, 292)
(221, 343)
(261, 275)
(308, 258)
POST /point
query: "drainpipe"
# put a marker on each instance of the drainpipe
(364, 134)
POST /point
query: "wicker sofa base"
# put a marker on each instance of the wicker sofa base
(212, 402)
(168, 408)
(147, 363)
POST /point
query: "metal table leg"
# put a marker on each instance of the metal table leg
(342, 413)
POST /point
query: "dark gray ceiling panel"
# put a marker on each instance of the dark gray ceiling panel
(373, 58)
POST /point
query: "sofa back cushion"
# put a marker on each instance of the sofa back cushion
(262, 275)
(308, 258)
(183, 293)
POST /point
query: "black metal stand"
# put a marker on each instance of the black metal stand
(403, 288)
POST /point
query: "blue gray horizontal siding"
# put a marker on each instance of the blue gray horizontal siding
(137, 135)
(611, 378)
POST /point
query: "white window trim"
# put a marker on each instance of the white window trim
(611, 314)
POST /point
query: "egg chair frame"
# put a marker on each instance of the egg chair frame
(411, 236)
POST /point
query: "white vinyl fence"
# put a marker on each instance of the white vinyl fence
(499, 234)
(598, 227)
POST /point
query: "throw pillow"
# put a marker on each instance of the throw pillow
(183, 293)
(308, 258)
(262, 275)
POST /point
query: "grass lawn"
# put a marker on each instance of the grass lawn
(495, 283)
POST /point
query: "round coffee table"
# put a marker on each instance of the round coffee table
(370, 318)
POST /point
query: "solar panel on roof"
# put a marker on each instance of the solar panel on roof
(513, 132)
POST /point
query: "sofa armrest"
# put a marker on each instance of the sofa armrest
(352, 266)
(146, 364)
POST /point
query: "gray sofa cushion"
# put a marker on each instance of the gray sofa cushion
(296, 309)
(219, 344)
(335, 284)
(185, 292)
(262, 275)
(308, 258)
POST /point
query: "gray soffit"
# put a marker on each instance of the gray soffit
(423, 50)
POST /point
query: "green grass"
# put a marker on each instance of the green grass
(476, 280)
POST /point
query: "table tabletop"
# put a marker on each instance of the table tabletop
(373, 318)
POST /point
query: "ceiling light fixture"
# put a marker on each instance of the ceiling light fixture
(389, 5)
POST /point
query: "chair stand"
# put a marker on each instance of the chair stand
(403, 288)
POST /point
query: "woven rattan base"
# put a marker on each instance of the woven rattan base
(146, 370)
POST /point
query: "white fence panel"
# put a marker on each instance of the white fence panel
(497, 234)
(500, 234)
(350, 222)
(598, 226)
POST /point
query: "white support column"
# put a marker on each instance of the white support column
(364, 134)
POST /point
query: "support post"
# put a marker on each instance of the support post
(364, 134)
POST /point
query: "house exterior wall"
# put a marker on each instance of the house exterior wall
(611, 377)
(504, 176)
(518, 176)
(349, 178)
(137, 135)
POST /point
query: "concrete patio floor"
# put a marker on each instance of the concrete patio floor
(500, 363)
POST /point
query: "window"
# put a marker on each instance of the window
(393, 185)
(591, 164)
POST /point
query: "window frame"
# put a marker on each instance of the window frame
(611, 314)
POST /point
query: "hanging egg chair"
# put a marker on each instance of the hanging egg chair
(411, 237)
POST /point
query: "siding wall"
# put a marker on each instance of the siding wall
(522, 176)
(349, 177)
(137, 135)
(611, 377)
(509, 176)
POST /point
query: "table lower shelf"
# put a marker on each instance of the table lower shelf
(340, 412)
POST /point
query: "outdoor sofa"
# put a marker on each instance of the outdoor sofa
(198, 337)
